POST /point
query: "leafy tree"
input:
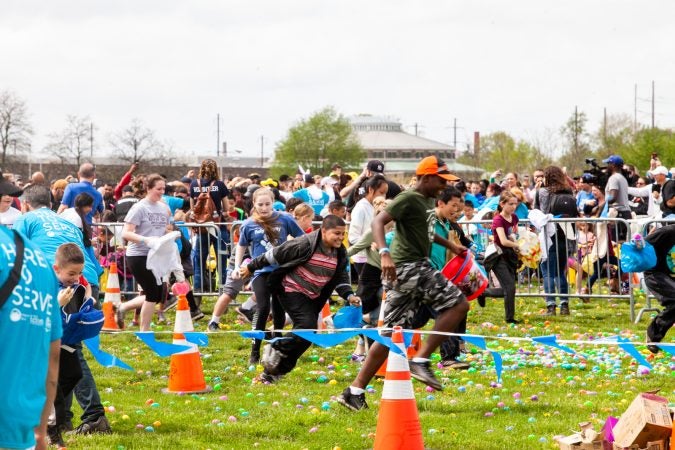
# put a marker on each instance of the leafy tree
(577, 143)
(317, 143)
(15, 129)
(648, 141)
(501, 151)
(615, 136)
(136, 143)
(73, 141)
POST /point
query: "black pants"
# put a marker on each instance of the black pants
(304, 313)
(265, 301)
(506, 274)
(70, 373)
(370, 288)
(662, 286)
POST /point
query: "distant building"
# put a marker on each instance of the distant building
(384, 139)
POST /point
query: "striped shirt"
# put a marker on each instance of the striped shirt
(310, 277)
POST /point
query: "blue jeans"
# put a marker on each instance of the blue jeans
(204, 280)
(85, 393)
(554, 272)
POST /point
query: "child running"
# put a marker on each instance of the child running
(265, 230)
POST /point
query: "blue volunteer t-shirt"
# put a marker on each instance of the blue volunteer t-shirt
(173, 202)
(317, 203)
(48, 231)
(75, 189)
(29, 322)
(253, 236)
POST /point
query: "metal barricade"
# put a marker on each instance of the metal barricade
(209, 254)
(594, 260)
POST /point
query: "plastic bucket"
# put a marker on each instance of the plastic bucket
(467, 275)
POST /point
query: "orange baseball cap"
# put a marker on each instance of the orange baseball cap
(432, 165)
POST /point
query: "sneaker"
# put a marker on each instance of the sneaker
(513, 321)
(654, 349)
(351, 401)
(213, 326)
(358, 357)
(54, 436)
(99, 425)
(271, 359)
(119, 317)
(197, 315)
(266, 378)
(564, 309)
(550, 310)
(171, 302)
(481, 301)
(454, 364)
(422, 371)
(245, 314)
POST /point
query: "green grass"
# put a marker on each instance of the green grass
(281, 416)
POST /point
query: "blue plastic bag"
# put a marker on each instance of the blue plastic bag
(348, 317)
(634, 259)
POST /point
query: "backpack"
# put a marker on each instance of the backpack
(204, 210)
(564, 205)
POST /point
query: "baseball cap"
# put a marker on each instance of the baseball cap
(375, 165)
(614, 159)
(251, 189)
(431, 165)
(60, 184)
(586, 178)
(7, 188)
(659, 170)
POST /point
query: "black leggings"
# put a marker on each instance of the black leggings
(265, 301)
(70, 373)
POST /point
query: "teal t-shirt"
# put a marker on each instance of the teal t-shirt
(29, 323)
(439, 252)
(47, 230)
(414, 215)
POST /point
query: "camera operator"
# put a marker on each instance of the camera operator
(652, 191)
(616, 195)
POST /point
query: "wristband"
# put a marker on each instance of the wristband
(384, 250)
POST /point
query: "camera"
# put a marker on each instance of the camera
(595, 174)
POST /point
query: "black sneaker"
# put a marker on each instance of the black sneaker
(99, 425)
(271, 359)
(550, 310)
(245, 314)
(422, 371)
(266, 378)
(213, 326)
(481, 301)
(454, 364)
(564, 309)
(197, 314)
(654, 349)
(513, 321)
(351, 401)
(54, 436)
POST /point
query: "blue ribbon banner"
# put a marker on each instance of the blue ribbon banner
(103, 358)
(551, 341)
(162, 349)
(479, 341)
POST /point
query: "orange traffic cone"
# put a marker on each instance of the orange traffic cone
(398, 423)
(185, 372)
(325, 321)
(112, 300)
(412, 350)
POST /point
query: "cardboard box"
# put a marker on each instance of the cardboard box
(656, 445)
(646, 420)
(586, 439)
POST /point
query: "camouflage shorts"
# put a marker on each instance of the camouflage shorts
(418, 283)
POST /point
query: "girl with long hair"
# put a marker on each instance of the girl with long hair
(264, 230)
(363, 213)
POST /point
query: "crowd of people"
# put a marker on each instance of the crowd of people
(297, 240)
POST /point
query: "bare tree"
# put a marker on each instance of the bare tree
(71, 142)
(136, 143)
(15, 130)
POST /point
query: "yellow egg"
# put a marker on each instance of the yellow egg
(156, 424)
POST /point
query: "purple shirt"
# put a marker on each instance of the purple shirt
(509, 227)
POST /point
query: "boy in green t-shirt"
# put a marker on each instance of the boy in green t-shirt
(410, 280)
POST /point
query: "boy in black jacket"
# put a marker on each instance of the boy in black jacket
(310, 268)
(660, 281)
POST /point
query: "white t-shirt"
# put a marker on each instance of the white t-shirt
(8, 217)
(72, 216)
(362, 219)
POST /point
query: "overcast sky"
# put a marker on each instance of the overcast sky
(518, 66)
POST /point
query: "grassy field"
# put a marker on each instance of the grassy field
(542, 394)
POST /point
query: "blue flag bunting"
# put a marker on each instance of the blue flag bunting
(551, 341)
(253, 334)
(197, 338)
(670, 348)
(479, 342)
(162, 349)
(325, 340)
(103, 358)
(629, 348)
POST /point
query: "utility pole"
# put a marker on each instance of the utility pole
(652, 104)
(635, 110)
(91, 140)
(218, 135)
(454, 134)
(262, 150)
